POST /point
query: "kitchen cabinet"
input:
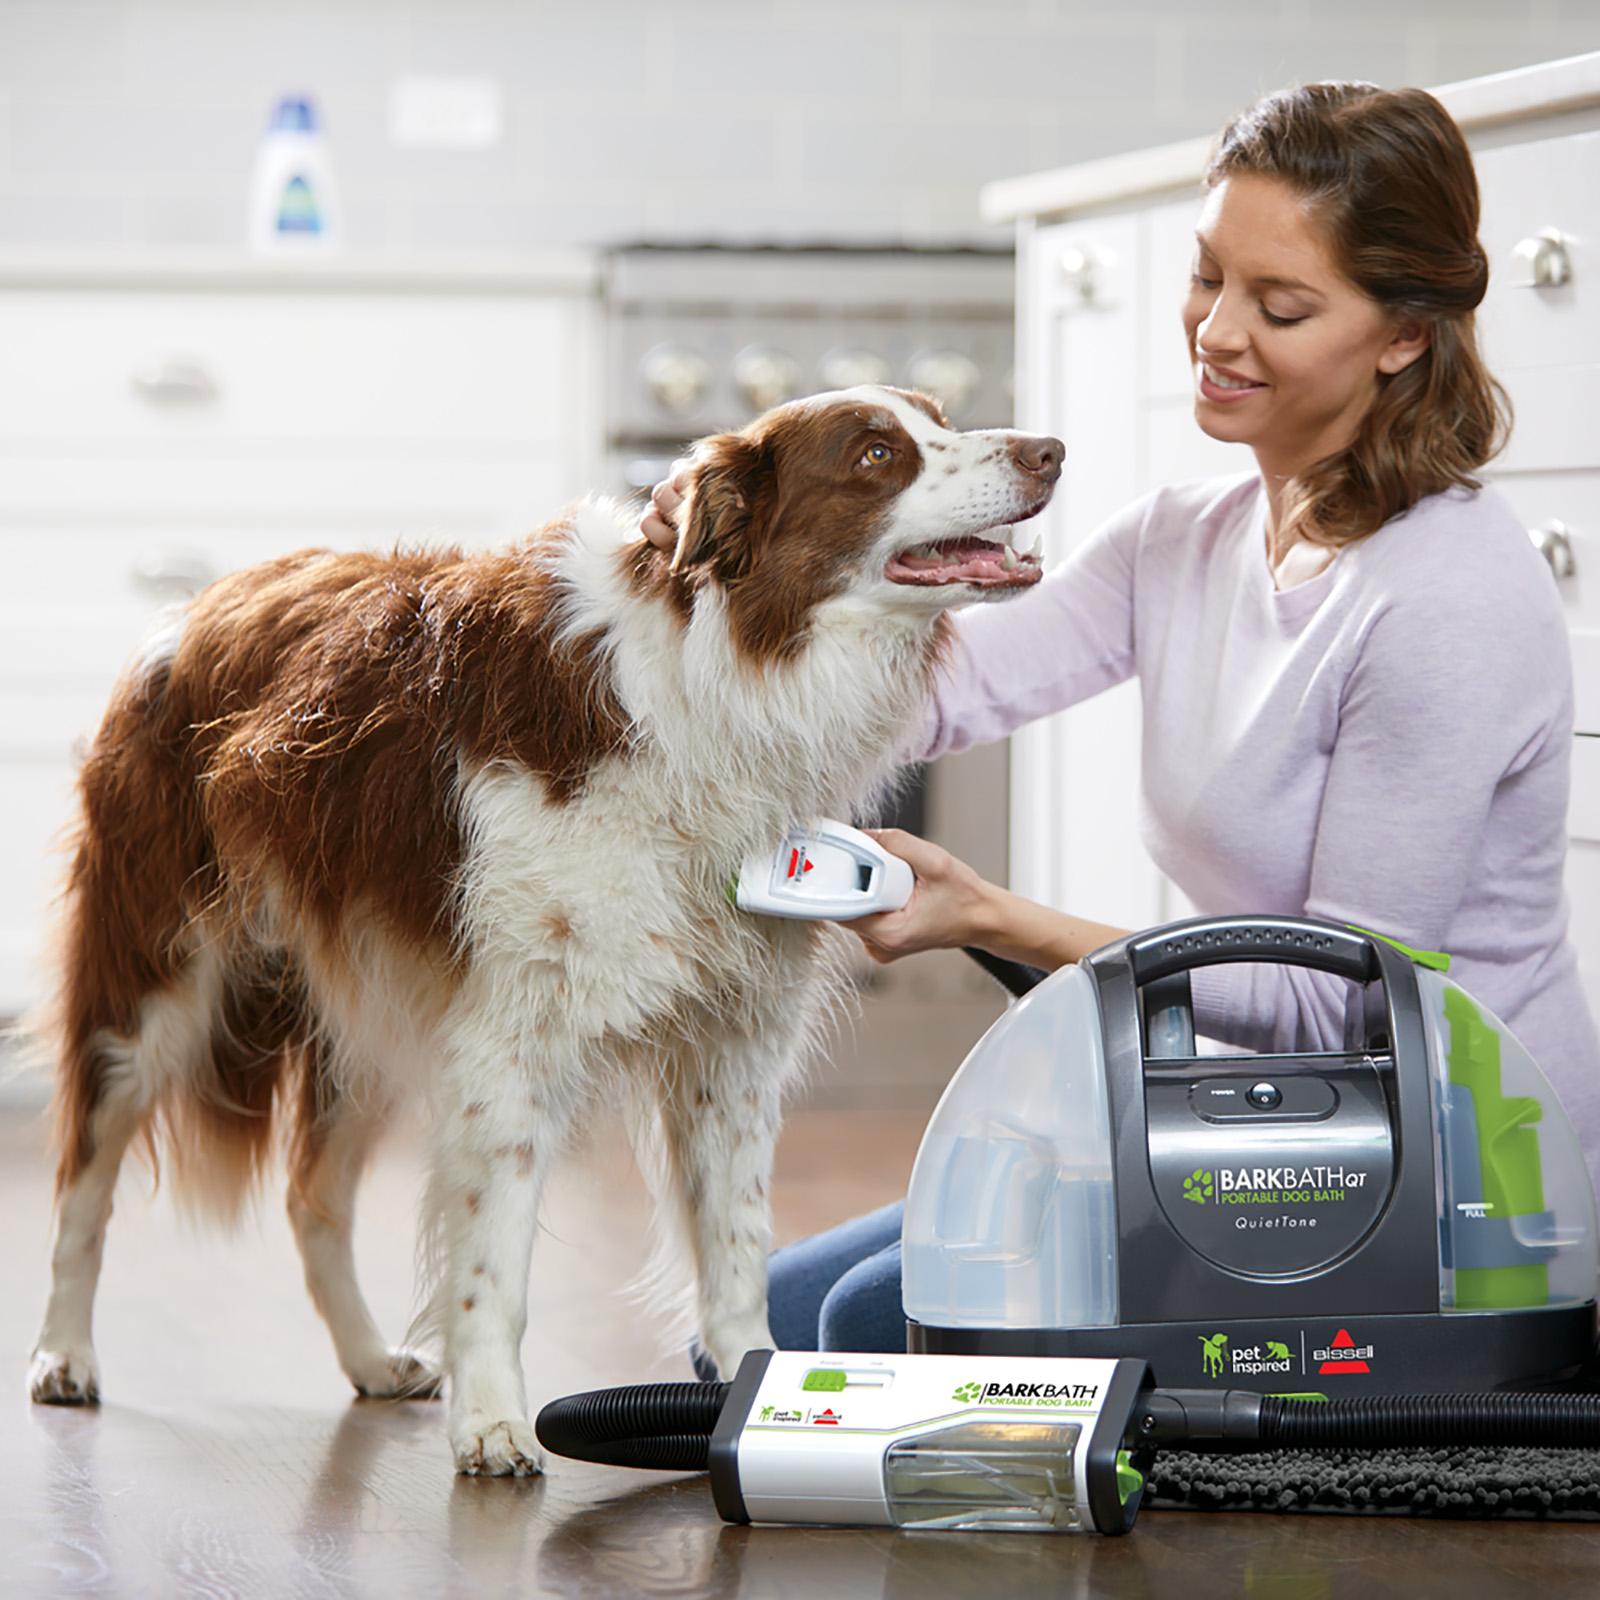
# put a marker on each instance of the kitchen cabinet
(164, 422)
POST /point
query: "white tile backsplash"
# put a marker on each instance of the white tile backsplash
(126, 122)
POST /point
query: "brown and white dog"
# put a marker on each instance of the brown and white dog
(362, 824)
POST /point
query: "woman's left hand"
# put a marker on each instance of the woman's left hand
(950, 904)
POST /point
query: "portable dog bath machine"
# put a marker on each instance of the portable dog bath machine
(1115, 1248)
(1411, 1212)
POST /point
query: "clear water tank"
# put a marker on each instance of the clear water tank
(1010, 1217)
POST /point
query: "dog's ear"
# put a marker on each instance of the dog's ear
(732, 483)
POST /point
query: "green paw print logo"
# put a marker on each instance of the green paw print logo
(968, 1392)
(1198, 1186)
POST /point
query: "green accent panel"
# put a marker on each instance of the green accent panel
(822, 1378)
(1436, 959)
(731, 889)
(1130, 1480)
(1499, 1288)
(1508, 1155)
(1304, 1394)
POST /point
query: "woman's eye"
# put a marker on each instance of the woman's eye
(1205, 283)
(875, 455)
(1280, 322)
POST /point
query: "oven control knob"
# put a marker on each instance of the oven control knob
(849, 369)
(678, 379)
(950, 377)
(765, 376)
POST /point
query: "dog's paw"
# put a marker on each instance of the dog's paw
(398, 1375)
(486, 1449)
(728, 1344)
(64, 1378)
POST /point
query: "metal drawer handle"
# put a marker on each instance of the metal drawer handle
(1554, 542)
(1084, 270)
(172, 572)
(174, 379)
(1541, 262)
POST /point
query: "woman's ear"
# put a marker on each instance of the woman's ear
(1408, 339)
(731, 484)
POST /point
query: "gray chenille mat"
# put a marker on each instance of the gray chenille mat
(1460, 1481)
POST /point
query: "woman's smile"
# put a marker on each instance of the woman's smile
(1219, 384)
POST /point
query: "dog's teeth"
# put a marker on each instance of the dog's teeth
(1009, 559)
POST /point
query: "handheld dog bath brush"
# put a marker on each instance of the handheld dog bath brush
(827, 872)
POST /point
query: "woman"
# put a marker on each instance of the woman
(1355, 677)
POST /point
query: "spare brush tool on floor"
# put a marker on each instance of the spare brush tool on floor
(1053, 1444)
(1341, 1251)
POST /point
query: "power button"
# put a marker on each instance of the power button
(1264, 1096)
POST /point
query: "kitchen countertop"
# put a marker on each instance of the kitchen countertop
(1552, 88)
(575, 272)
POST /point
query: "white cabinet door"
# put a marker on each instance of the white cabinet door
(1075, 776)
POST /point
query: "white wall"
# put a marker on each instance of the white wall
(134, 122)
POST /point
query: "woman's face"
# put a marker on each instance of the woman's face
(1285, 350)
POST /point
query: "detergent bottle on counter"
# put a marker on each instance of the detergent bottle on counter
(294, 206)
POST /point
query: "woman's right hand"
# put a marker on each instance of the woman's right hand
(660, 523)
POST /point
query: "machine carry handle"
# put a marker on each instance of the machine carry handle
(1286, 941)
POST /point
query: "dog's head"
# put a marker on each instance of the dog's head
(867, 492)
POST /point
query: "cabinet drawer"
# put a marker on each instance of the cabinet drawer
(36, 807)
(80, 370)
(1545, 183)
(1572, 499)
(1554, 429)
(1583, 809)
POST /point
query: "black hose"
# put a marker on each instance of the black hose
(662, 1425)
(1016, 976)
(1557, 1420)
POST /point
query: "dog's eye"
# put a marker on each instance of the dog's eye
(875, 455)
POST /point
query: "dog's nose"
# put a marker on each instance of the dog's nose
(1041, 456)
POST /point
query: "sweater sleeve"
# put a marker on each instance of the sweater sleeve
(1068, 638)
(1449, 697)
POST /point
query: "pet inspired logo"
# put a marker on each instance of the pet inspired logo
(1212, 1356)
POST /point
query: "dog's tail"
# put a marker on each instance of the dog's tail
(161, 1025)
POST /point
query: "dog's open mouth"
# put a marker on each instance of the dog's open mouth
(983, 563)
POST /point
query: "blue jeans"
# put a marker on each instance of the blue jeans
(838, 1290)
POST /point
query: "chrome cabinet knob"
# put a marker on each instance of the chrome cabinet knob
(172, 572)
(950, 377)
(1541, 262)
(1554, 542)
(765, 376)
(171, 378)
(678, 378)
(1086, 270)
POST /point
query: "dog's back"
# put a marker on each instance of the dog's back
(292, 754)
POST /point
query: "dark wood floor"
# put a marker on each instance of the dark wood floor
(229, 1459)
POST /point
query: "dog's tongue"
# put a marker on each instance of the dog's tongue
(960, 561)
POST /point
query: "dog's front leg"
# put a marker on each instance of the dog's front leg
(499, 1130)
(720, 1119)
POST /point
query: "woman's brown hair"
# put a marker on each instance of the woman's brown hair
(1389, 176)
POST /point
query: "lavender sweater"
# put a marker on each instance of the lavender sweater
(1386, 744)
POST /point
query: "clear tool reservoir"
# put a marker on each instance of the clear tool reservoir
(1010, 1216)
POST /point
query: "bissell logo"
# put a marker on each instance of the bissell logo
(1344, 1355)
(798, 865)
(828, 1418)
